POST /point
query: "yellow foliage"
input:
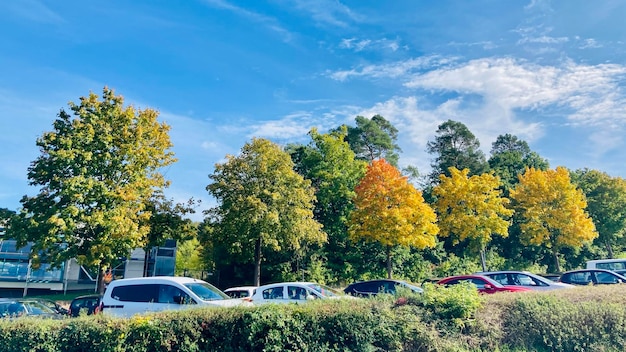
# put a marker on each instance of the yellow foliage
(471, 207)
(389, 210)
(553, 209)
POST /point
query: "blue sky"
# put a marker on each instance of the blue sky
(221, 72)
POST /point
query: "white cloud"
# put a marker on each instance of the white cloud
(331, 12)
(591, 92)
(267, 21)
(359, 45)
(392, 70)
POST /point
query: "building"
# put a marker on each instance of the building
(16, 272)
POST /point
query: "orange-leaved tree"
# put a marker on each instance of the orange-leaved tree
(553, 211)
(471, 208)
(390, 211)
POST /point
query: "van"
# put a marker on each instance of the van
(608, 264)
(127, 297)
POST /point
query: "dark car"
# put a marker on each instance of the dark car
(592, 277)
(90, 304)
(374, 287)
(17, 308)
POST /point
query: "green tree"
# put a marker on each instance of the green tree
(389, 210)
(169, 220)
(553, 211)
(471, 208)
(334, 171)
(263, 203)
(606, 205)
(189, 261)
(510, 156)
(373, 139)
(455, 146)
(97, 171)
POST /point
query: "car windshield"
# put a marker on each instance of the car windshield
(412, 287)
(324, 290)
(206, 291)
(37, 308)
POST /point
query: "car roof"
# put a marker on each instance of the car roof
(155, 279)
(303, 283)
(240, 288)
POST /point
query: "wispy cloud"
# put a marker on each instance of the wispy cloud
(267, 21)
(358, 45)
(33, 10)
(328, 12)
(392, 70)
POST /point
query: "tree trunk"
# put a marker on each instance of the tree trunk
(557, 265)
(257, 262)
(100, 284)
(609, 249)
(483, 260)
(389, 266)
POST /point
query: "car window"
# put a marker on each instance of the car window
(580, 278)
(501, 278)
(273, 293)
(324, 290)
(206, 291)
(173, 295)
(136, 293)
(606, 278)
(295, 292)
(237, 293)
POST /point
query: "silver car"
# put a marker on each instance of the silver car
(526, 279)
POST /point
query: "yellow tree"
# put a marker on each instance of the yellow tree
(553, 211)
(471, 208)
(389, 210)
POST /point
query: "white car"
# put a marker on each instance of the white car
(526, 279)
(127, 297)
(294, 292)
(241, 291)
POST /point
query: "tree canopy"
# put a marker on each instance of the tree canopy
(553, 211)
(97, 170)
(455, 146)
(263, 203)
(373, 139)
(471, 208)
(389, 210)
(510, 156)
(606, 205)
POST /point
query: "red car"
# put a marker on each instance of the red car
(482, 283)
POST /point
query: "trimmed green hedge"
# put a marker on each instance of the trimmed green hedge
(441, 319)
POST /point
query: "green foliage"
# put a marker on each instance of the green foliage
(264, 205)
(374, 138)
(457, 303)
(332, 167)
(455, 146)
(510, 156)
(606, 204)
(544, 322)
(97, 170)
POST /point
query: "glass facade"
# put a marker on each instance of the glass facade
(14, 265)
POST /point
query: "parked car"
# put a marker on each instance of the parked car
(127, 297)
(484, 284)
(17, 308)
(294, 292)
(607, 264)
(374, 287)
(241, 291)
(53, 304)
(592, 277)
(524, 278)
(89, 304)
